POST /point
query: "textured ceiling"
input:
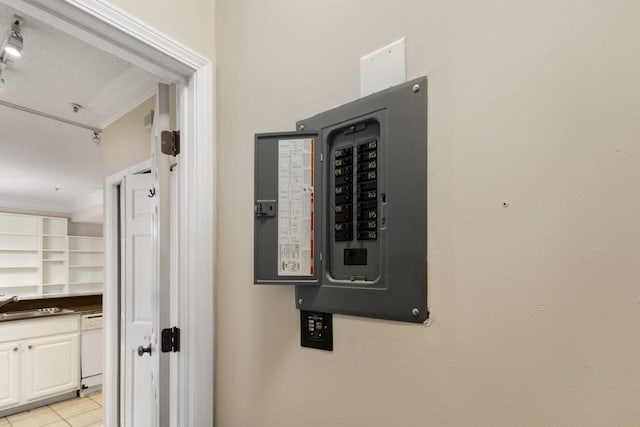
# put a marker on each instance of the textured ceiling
(39, 154)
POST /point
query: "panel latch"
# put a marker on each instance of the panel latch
(171, 340)
(170, 142)
(265, 208)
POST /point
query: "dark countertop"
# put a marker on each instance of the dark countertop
(80, 305)
(86, 309)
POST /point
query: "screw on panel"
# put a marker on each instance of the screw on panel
(301, 127)
(300, 301)
(415, 312)
(415, 88)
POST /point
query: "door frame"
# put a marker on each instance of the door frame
(115, 31)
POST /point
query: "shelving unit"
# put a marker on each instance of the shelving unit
(20, 246)
(54, 257)
(86, 264)
(39, 258)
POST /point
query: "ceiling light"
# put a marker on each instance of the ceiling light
(15, 41)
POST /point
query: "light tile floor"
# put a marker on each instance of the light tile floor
(80, 412)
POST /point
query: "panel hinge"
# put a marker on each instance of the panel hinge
(171, 340)
(170, 142)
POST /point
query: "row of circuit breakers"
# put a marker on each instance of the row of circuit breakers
(341, 207)
(367, 192)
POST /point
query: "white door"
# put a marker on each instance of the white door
(138, 396)
(145, 256)
(9, 374)
(51, 365)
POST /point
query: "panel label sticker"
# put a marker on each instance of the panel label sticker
(295, 207)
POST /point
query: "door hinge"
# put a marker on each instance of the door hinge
(171, 340)
(170, 142)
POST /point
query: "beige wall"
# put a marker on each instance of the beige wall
(85, 229)
(126, 142)
(535, 307)
(190, 22)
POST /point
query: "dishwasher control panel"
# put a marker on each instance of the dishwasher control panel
(92, 321)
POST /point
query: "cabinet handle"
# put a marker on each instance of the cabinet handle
(15, 348)
(30, 347)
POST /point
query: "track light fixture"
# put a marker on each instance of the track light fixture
(15, 41)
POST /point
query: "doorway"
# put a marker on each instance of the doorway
(108, 28)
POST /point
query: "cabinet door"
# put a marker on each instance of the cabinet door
(51, 366)
(9, 374)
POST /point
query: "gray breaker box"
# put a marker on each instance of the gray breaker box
(341, 207)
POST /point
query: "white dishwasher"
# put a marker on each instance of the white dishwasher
(92, 354)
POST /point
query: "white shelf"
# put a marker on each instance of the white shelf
(38, 258)
(23, 285)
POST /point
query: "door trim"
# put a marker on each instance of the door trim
(112, 29)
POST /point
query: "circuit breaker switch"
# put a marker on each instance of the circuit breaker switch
(370, 155)
(371, 145)
(367, 225)
(367, 166)
(357, 256)
(368, 176)
(344, 152)
(345, 161)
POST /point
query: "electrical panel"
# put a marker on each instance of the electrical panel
(341, 207)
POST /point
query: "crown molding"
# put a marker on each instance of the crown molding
(127, 91)
(12, 202)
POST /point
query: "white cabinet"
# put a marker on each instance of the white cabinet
(39, 359)
(9, 374)
(39, 258)
(51, 366)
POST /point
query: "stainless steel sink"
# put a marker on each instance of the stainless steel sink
(37, 312)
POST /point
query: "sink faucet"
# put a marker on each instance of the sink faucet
(9, 301)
